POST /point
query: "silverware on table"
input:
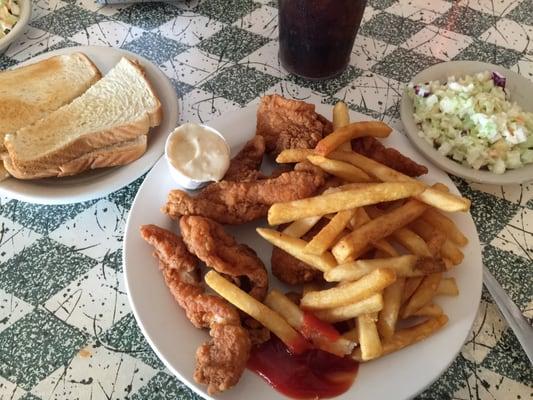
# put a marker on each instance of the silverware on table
(512, 314)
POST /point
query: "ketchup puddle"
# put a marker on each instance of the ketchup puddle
(314, 374)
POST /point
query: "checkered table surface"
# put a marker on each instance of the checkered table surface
(66, 330)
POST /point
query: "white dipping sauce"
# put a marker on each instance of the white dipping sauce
(198, 152)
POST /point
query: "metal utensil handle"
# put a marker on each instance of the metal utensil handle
(513, 315)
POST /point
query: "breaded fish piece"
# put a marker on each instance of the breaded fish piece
(220, 361)
(289, 124)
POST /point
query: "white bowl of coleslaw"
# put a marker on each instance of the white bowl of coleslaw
(473, 120)
(14, 18)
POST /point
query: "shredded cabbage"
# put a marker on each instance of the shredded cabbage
(472, 121)
(9, 16)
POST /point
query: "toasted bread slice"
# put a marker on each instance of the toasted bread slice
(109, 156)
(117, 108)
(30, 93)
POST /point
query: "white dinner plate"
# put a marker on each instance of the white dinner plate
(174, 339)
(520, 89)
(100, 182)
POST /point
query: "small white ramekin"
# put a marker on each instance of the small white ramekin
(182, 180)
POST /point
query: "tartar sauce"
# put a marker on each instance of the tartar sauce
(198, 152)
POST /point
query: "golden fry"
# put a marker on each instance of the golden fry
(280, 213)
(379, 228)
(296, 318)
(290, 156)
(351, 292)
(310, 287)
(433, 197)
(446, 225)
(412, 242)
(429, 310)
(341, 117)
(301, 226)
(324, 239)
(341, 169)
(448, 287)
(352, 131)
(295, 247)
(448, 250)
(384, 246)
(403, 266)
(369, 343)
(371, 304)
(411, 284)
(423, 294)
(257, 310)
(392, 301)
(409, 336)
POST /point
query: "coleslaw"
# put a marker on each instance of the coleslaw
(472, 121)
(9, 16)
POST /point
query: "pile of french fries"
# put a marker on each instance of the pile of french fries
(384, 252)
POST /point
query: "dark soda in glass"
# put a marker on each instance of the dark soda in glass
(316, 36)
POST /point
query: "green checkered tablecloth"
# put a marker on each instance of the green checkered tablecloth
(66, 330)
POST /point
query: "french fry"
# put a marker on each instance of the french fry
(301, 226)
(448, 287)
(258, 311)
(446, 225)
(408, 336)
(429, 310)
(371, 304)
(351, 292)
(324, 239)
(298, 320)
(295, 247)
(404, 266)
(280, 213)
(341, 117)
(341, 169)
(360, 218)
(423, 294)
(441, 186)
(435, 243)
(290, 156)
(448, 250)
(384, 246)
(369, 343)
(379, 228)
(431, 196)
(411, 284)
(392, 301)
(351, 131)
(412, 242)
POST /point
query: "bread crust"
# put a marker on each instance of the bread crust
(110, 156)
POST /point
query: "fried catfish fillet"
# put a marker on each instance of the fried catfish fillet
(289, 124)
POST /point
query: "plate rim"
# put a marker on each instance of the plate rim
(196, 388)
(169, 99)
(520, 175)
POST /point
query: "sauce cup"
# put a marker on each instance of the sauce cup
(196, 155)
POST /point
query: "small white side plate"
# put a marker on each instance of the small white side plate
(398, 376)
(100, 182)
(520, 89)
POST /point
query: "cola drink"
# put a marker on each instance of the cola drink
(316, 36)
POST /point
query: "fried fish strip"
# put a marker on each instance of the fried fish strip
(220, 361)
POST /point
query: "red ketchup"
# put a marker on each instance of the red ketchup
(314, 374)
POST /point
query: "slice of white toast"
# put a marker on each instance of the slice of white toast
(109, 156)
(30, 93)
(119, 107)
